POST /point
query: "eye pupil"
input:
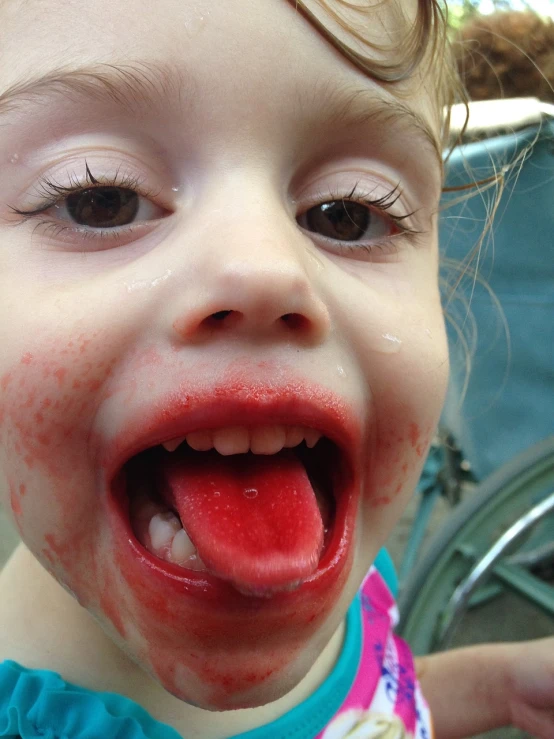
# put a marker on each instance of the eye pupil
(343, 220)
(103, 207)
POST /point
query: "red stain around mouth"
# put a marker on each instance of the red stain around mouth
(182, 614)
(51, 397)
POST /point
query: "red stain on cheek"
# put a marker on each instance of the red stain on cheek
(60, 374)
(415, 433)
(380, 500)
(45, 427)
(58, 551)
(394, 460)
(418, 441)
(15, 503)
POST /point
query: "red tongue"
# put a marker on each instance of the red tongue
(254, 519)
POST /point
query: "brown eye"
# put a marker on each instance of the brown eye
(345, 220)
(342, 220)
(103, 207)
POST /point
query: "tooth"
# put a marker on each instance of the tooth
(233, 440)
(312, 437)
(267, 439)
(162, 529)
(202, 441)
(295, 436)
(183, 552)
(195, 563)
(172, 445)
(182, 547)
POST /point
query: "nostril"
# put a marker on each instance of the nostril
(221, 319)
(294, 320)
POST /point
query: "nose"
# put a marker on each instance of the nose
(255, 287)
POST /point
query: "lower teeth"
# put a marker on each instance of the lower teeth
(159, 530)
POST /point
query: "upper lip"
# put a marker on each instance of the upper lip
(181, 413)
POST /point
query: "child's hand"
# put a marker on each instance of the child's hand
(532, 687)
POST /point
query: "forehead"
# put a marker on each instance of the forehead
(208, 46)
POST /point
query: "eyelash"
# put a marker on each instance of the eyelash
(382, 205)
(54, 193)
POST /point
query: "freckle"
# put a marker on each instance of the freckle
(27, 358)
(22, 489)
(6, 379)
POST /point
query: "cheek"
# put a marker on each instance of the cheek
(50, 395)
(407, 392)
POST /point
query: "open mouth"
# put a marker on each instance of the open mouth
(256, 507)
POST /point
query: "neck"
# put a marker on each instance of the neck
(66, 639)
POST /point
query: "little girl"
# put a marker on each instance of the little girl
(223, 360)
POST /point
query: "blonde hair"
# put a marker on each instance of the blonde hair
(426, 45)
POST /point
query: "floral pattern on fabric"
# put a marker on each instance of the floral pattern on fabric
(385, 701)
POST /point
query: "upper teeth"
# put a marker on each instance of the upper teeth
(240, 439)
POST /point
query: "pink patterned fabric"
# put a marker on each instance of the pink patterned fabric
(385, 701)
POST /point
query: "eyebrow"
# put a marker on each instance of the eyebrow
(135, 87)
(350, 106)
(139, 87)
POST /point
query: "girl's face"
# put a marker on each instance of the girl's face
(212, 226)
